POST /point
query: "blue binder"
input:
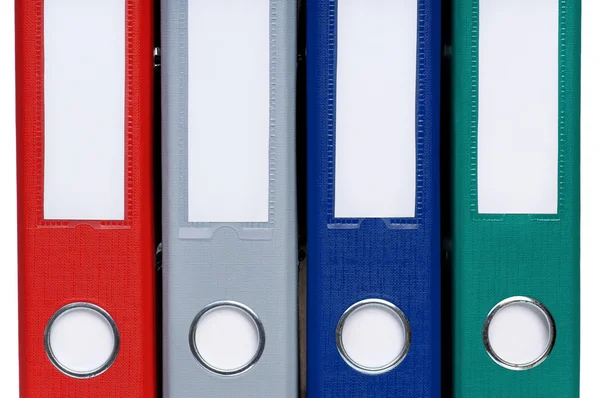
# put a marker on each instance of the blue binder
(355, 261)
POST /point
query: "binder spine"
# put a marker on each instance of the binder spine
(103, 263)
(505, 256)
(250, 266)
(356, 259)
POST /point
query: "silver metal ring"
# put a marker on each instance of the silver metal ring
(551, 333)
(379, 303)
(70, 372)
(260, 330)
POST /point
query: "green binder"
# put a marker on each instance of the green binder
(515, 230)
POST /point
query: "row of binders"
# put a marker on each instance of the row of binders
(404, 125)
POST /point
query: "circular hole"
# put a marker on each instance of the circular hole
(82, 340)
(373, 336)
(519, 333)
(227, 338)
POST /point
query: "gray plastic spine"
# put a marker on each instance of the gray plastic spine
(204, 263)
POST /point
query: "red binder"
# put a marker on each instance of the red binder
(105, 263)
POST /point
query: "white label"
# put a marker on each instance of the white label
(518, 107)
(228, 111)
(84, 109)
(375, 149)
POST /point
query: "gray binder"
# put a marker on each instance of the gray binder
(241, 257)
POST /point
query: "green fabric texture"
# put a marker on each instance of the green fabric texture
(499, 256)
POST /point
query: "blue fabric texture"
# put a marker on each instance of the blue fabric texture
(397, 260)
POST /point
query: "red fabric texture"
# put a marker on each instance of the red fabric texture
(110, 264)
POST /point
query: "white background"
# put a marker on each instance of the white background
(590, 205)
